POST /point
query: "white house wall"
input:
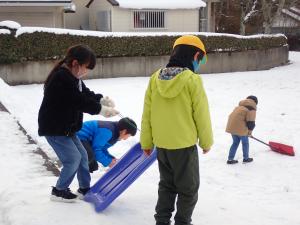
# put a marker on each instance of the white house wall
(122, 20)
(79, 19)
(175, 20)
(34, 16)
(96, 6)
(182, 20)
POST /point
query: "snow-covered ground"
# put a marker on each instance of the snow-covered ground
(265, 192)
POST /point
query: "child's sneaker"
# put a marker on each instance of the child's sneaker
(248, 160)
(81, 192)
(232, 161)
(62, 195)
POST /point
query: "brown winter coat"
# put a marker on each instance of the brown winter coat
(237, 120)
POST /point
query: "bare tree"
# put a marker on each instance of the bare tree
(271, 9)
(248, 10)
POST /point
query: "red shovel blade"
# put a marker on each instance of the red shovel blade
(281, 148)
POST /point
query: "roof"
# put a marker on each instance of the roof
(35, 2)
(158, 4)
(293, 13)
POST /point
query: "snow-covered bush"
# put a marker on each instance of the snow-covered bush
(33, 43)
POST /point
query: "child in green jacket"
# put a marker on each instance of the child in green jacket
(175, 118)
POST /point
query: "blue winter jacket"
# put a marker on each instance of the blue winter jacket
(101, 135)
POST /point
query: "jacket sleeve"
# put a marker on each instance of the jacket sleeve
(90, 93)
(146, 130)
(201, 113)
(250, 119)
(100, 146)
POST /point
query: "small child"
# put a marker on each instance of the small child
(97, 136)
(240, 125)
(175, 119)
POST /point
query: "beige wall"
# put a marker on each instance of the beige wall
(219, 62)
(34, 16)
(122, 19)
(79, 19)
(182, 20)
(97, 5)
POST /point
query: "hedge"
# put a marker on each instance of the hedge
(46, 45)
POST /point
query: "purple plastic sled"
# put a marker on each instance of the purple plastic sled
(119, 177)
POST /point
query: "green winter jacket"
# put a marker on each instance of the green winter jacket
(176, 113)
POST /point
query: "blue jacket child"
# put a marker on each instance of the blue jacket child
(97, 136)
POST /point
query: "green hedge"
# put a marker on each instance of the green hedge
(45, 46)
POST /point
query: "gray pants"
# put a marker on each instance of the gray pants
(179, 177)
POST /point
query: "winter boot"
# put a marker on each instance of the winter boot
(232, 161)
(62, 195)
(163, 223)
(248, 160)
(81, 192)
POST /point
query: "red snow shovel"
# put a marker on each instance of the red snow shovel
(278, 147)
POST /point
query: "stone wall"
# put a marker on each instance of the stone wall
(218, 62)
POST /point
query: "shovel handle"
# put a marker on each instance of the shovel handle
(260, 141)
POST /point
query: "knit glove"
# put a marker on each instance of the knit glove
(106, 101)
(108, 111)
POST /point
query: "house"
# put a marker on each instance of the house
(41, 13)
(144, 15)
(288, 22)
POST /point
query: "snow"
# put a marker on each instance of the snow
(23, 30)
(4, 31)
(295, 9)
(10, 24)
(265, 192)
(291, 14)
(159, 4)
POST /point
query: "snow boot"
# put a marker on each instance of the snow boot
(248, 160)
(62, 195)
(232, 161)
(81, 192)
(163, 223)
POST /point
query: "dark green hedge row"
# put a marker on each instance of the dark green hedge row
(44, 46)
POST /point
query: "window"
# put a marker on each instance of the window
(148, 19)
(203, 19)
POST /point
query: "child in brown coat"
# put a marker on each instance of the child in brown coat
(240, 125)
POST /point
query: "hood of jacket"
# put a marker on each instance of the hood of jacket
(248, 103)
(170, 81)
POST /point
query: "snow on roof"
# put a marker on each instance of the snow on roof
(4, 31)
(10, 24)
(161, 4)
(295, 9)
(35, 2)
(291, 14)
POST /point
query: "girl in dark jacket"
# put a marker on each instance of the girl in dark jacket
(65, 100)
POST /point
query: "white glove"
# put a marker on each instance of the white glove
(107, 102)
(108, 111)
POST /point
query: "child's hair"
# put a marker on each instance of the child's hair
(128, 124)
(254, 98)
(183, 56)
(184, 50)
(82, 53)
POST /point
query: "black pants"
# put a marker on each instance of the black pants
(93, 165)
(179, 177)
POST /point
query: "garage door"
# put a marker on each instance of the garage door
(36, 19)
